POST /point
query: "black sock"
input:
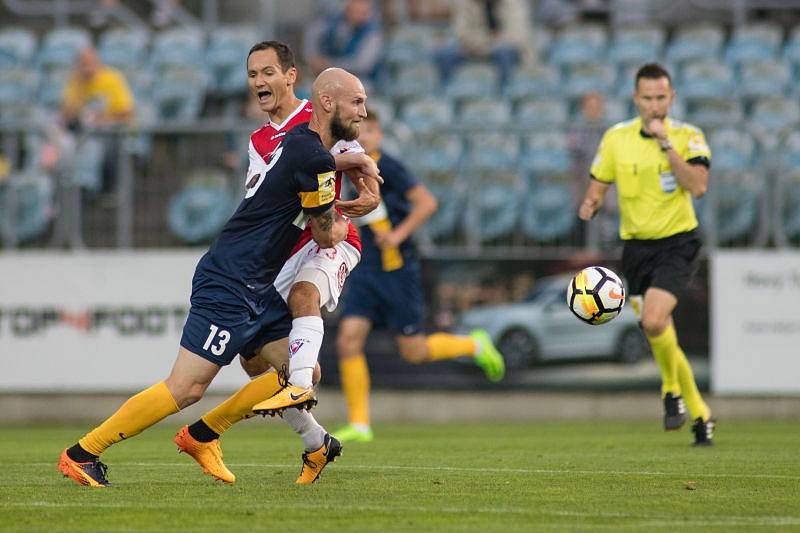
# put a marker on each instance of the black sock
(78, 454)
(200, 431)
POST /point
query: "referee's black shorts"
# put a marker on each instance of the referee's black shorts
(668, 263)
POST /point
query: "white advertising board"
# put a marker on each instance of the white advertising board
(755, 322)
(95, 321)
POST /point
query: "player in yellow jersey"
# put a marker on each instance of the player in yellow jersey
(386, 289)
(658, 165)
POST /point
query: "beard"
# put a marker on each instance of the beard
(340, 131)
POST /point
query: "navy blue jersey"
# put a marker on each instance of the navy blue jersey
(297, 180)
(397, 181)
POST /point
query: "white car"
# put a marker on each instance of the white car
(543, 329)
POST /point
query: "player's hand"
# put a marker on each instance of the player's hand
(389, 239)
(369, 167)
(587, 209)
(657, 129)
(366, 202)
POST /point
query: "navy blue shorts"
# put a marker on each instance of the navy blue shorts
(221, 326)
(392, 299)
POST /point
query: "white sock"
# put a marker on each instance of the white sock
(304, 424)
(305, 340)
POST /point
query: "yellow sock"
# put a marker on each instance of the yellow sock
(354, 374)
(694, 402)
(137, 414)
(665, 348)
(447, 346)
(240, 405)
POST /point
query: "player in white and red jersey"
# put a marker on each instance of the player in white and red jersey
(312, 277)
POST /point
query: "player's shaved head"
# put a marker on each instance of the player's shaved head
(339, 100)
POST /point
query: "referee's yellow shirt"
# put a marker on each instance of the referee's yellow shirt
(652, 203)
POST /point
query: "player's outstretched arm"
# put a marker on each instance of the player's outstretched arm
(328, 228)
(593, 199)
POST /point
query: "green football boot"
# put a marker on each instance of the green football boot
(351, 433)
(489, 357)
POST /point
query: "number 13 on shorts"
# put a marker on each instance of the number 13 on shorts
(217, 339)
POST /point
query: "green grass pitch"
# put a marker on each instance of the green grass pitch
(448, 477)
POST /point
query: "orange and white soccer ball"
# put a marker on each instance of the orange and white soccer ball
(596, 295)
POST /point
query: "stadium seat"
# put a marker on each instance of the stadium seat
(124, 48)
(706, 79)
(488, 151)
(617, 110)
(637, 45)
(408, 44)
(450, 192)
(585, 77)
(427, 114)
(541, 41)
(759, 79)
(171, 97)
(179, 47)
(739, 206)
(774, 114)
(693, 43)
(583, 43)
(227, 49)
(791, 50)
(436, 154)
(532, 82)
(87, 164)
(545, 153)
(487, 112)
(420, 80)
(17, 92)
(198, 211)
(474, 80)
(789, 151)
(498, 204)
(61, 46)
(140, 81)
(754, 42)
(733, 149)
(51, 87)
(543, 113)
(384, 108)
(711, 113)
(30, 198)
(786, 208)
(17, 47)
(548, 214)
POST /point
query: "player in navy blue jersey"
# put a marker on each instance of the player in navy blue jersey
(236, 306)
(386, 289)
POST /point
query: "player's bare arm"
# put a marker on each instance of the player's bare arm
(423, 205)
(593, 199)
(692, 177)
(358, 162)
(328, 228)
(369, 197)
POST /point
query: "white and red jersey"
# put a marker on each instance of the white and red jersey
(265, 140)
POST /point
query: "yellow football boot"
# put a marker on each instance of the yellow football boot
(92, 473)
(207, 454)
(290, 396)
(314, 462)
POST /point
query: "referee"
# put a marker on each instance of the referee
(658, 165)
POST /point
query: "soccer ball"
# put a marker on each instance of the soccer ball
(595, 295)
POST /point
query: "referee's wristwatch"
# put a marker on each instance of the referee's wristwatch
(665, 145)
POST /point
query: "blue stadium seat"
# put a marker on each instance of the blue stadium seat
(759, 79)
(617, 110)
(546, 153)
(225, 57)
(436, 154)
(711, 113)
(543, 112)
(450, 191)
(486, 112)
(384, 108)
(171, 97)
(88, 163)
(124, 48)
(17, 92)
(427, 114)
(586, 77)
(61, 46)
(498, 203)
(693, 43)
(739, 207)
(706, 79)
(532, 82)
(787, 207)
(408, 44)
(548, 214)
(789, 151)
(791, 50)
(733, 149)
(492, 151)
(197, 212)
(754, 42)
(541, 40)
(140, 81)
(774, 114)
(17, 47)
(637, 45)
(51, 87)
(33, 206)
(473, 80)
(180, 47)
(579, 44)
(414, 81)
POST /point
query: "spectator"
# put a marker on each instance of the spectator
(584, 137)
(496, 29)
(351, 39)
(97, 95)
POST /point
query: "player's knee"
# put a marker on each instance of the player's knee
(304, 299)
(347, 345)
(255, 366)
(316, 377)
(653, 325)
(414, 354)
